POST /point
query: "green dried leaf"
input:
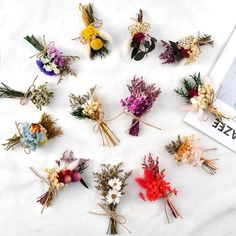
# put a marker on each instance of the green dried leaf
(139, 56)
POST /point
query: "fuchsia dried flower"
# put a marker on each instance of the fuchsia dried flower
(140, 101)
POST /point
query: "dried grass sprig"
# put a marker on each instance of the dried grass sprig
(50, 125)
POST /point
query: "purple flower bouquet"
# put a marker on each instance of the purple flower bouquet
(140, 101)
(50, 60)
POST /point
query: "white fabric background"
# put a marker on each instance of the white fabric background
(207, 203)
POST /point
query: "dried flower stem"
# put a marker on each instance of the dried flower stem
(11, 142)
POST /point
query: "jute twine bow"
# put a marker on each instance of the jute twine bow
(51, 191)
(172, 208)
(25, 148)
(137, 119)
(140, 26)
(105, 132)
(213, 110)
(209, 164)
(112, 214)
(46, 47)
(31, 88)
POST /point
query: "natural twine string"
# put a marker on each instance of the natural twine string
(112, 214)
(172, 208)
(208, 165)
(46, 47)
(51, 190)
(105, 132)
(31, 88)
(213, 110)
(138, 119)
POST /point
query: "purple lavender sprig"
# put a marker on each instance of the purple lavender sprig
(140, 101)
(168, 56)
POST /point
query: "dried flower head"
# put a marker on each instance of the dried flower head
(111, 183)
(141, 99)
(185, 150)
(155, 185)
(41, 96)
(187, 47)
(67, 170)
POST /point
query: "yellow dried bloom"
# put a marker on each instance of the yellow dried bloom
(96, 44)
(184, 148)
(52, 175)
(92, 109)
(89, 32)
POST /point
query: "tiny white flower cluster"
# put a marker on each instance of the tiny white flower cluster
(114, 194)
(91, 108)
(49, 65)
(191, 44)
(52, 178)
(204, 98)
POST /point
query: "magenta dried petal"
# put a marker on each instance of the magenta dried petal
(134, 129)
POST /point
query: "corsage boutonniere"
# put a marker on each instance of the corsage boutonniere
(89, 107)
(68, 170)
(185, 150)
(92, 36)
(155, 185)
(139, 103)
(142, 43)
(40, 96)
(50, 60)
(110, 183)
(34, 135)
(188, 48)
(200, 96)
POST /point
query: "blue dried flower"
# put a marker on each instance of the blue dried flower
(31, 139)
(41, 67)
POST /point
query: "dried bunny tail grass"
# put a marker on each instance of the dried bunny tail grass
(126, 49)
(50, 125)
(105, 35)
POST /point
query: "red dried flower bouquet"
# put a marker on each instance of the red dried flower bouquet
(155, 185)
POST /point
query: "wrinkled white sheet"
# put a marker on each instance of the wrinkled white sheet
(207, 203)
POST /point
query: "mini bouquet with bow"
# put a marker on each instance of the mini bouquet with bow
(68, 170)
(188, 48)
(111, 185)
(50, 60)
(40, 96)
(89, 107)
(141, 43)
(91, 35)
(34, 135)
(185, 150)
(199, 95)
(155, 185)
(139, 103)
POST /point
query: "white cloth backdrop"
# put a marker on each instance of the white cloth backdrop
(207, 203)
